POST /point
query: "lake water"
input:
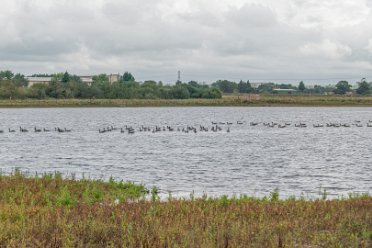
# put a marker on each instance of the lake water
(251, 160)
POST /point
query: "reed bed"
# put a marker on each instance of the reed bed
(229, 100)
(49, 211)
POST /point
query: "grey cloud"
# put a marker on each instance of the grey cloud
(153, 40)
(253, 16)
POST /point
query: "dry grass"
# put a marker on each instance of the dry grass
(230, 100)
(49, 211)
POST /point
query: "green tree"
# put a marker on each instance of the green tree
(193, 83)
(128, 77)
(87, 92)
(101, 82)
(249, 86)
(180, 92)
(342, 87)
(318, 90)
(266, 88)
(55, 89)
(301, 87)
(66, 77)
(226, 86)
(37, 91)
(364, 88)
(6, 75)
(242, 87)
(212, 93)
(19, 80)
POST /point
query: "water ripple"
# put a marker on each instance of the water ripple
(248, 160)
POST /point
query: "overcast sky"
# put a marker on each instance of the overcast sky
(260, 40)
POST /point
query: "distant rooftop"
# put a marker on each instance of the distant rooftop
(284, 90)
(39, 79)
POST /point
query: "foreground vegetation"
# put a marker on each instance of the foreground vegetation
(232, 100)
(49, 211)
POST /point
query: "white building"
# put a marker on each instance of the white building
(114, 78)
(255, 85)
(38, 80)
(85, 79)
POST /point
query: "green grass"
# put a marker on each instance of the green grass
(231, 100)
(49, 211)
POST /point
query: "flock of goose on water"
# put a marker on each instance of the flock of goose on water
(317, 125)
(157, 129)
(215, 127)
(38, 130)
(225, 126)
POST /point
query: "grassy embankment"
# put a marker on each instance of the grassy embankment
(49, 211)
(225, 101)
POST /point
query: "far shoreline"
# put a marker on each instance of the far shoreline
(226, 101)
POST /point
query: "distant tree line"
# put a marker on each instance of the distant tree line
(65, 85)
(341, 88)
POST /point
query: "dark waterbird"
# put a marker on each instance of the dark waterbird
(23, 130)
(37, 130)
(59, 130)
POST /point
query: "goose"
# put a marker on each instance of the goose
(46, 130)
(60, 130)
(23, 130)
(37, 130)
(11, 130)
(317, 125)
(68, 130)
(1, 131)
(239, 122)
